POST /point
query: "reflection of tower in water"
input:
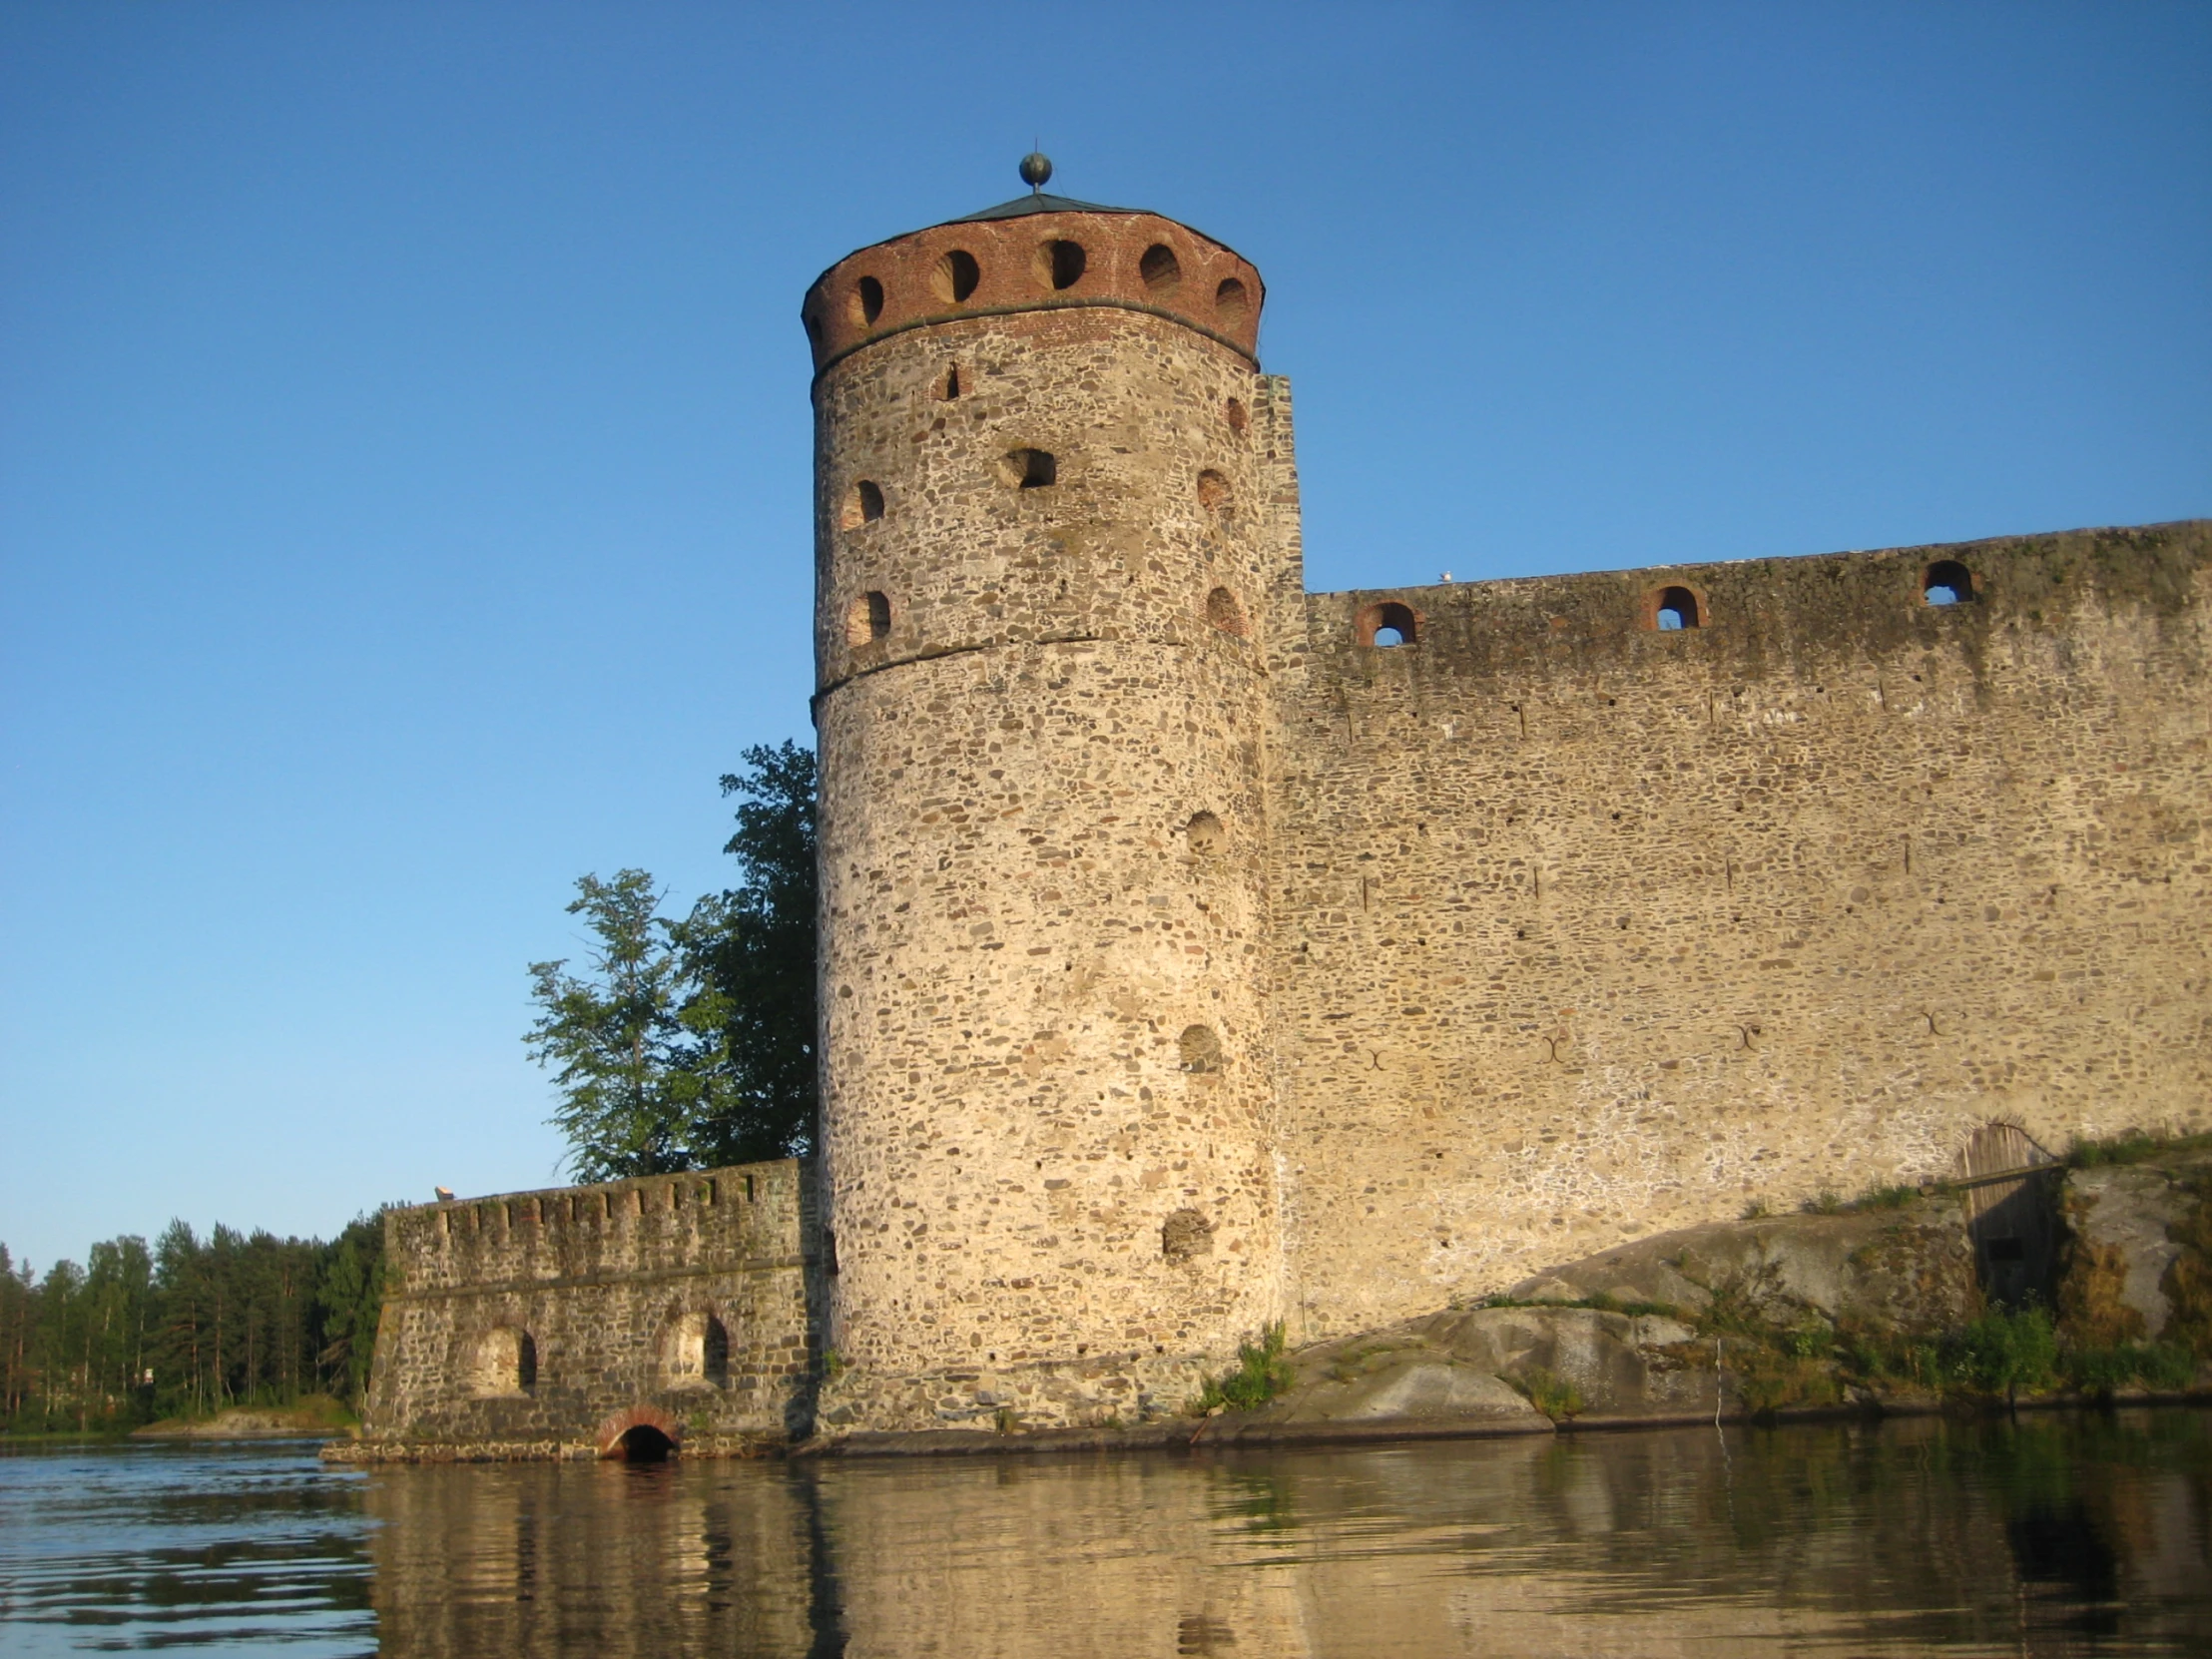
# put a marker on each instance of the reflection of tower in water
(1841, 1537)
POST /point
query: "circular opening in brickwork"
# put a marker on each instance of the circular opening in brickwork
(1386, 625)
(1060, 263)
(1213, 491)
(1200, 1049)
(1238, 418)
(1231, 300)
(1948, 582)
(1161, 269)
(1206, 834)
(955, 275)
(1675, 609)
(1029, 469)
(1185, 1233)
(867, 619)
(868, 301)
(1223, 612)
(864, 504)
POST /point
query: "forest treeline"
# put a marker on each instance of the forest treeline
(187, 1327)
(687, 1043)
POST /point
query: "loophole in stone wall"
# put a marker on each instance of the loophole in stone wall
(1206, 834)
(1387, 624)
(1673, 608)
(1213, 491)
(1231, 300)
(1029, 469)
(1224, 611)
(867, 619)
(864, 504)
(1239, 419)
(1948, 582)
(1200, 1049)
(1185, 1234)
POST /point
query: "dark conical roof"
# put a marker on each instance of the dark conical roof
(1039, 203)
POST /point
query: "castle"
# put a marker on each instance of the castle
(1198, 952)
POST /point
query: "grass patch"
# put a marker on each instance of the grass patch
(2131, 1146)
(1883, 1198)
(1549, 1392)
(1598, 1301)
(1262, 1371)
(2099, 1370)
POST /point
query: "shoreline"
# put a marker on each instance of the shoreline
(1238, 1432)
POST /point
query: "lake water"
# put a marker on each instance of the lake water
(2052, 1536)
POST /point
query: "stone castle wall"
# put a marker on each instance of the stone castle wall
(550, 1323)
(1584, 930)
(1189, 960)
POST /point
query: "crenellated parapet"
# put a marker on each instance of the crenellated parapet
(644, 1314)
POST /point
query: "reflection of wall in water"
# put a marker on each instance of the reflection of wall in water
(595, 1558)
(1913, 1535)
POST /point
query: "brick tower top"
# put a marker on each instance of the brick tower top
(1037, 253)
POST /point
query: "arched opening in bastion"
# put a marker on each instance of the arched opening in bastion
(1205, 834)
(1386, 625)
(1030, 469)
(643, 1444)
(502, 1362)
(1946, 582)
(1225, 612)
(868, 301)
(1231, 300)
(694, 1351)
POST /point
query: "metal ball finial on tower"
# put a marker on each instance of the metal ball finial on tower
(1036, 168)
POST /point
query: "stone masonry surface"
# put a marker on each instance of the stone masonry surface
(1198, 952)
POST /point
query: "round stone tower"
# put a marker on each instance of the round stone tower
(1047, 1102)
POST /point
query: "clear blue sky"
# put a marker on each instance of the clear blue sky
(404, 436)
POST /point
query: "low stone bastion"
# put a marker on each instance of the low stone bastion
(625, 1320)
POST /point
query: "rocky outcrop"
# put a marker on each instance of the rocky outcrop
(2136, 1257)
(1903, 1269)
(1875, 1307)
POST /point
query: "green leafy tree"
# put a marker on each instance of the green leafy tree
(618, 1037)
(750, 951)
(690, 1044)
